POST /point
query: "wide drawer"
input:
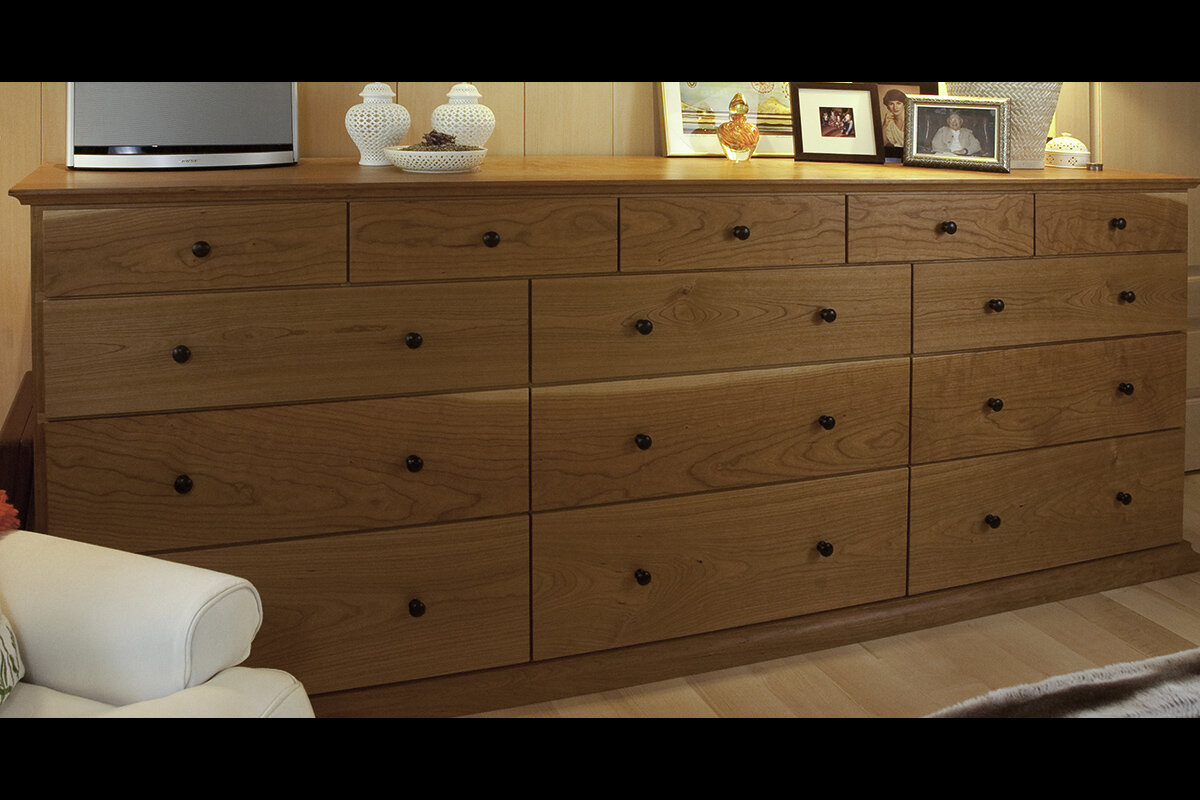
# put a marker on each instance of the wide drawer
(731, 231)
(341, 612)
(402, 240)
(622, 440)
(182, 248)
(936, 227)
(991, 401)
(1110, 222)
(989, 517)
(656, 324)
(134, 354)
(975, 304)
(203, 478)
(620, 575)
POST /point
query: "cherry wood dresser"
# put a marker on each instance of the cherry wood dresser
(571, 423)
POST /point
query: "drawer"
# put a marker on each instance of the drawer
(619, 575)
(731, 231)
(606, 442)
(976, 304)
(120, 355)
(1049, 507)
(656, 324)
(1110, 222)
(337, 614)
(938, 227)
(126, 250)
(1047, 395)
(401, 240)
(216, 477)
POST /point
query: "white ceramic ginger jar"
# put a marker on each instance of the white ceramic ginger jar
(377, 122)
(464, 117)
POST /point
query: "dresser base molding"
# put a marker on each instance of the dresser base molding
(509, 687)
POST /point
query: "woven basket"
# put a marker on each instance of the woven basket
(1031, 107)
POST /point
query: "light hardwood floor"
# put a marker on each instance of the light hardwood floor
(913, 674)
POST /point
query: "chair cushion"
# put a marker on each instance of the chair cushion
(12, 669)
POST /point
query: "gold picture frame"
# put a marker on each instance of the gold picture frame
(978, 141)
(691, 112)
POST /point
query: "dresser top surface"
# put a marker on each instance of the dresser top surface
(344, 179)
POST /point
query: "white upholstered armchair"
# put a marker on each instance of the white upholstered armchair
(102, 632)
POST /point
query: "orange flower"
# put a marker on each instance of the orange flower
(8, 514)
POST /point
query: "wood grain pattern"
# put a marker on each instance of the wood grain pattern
(586, 328)
(1056, 506)
(1076, 222)
(120, 250)
(281, 471)
(715, 431)
(1046, 300)
(886, 227)
(715, 560)
(115, 355)
(1051, 394)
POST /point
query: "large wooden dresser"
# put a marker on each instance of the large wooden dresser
(566, 424)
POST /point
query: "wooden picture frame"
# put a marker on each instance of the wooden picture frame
(836, 122)
(978, 141)
(892, 97)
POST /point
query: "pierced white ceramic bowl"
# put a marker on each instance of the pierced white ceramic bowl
(435, 160)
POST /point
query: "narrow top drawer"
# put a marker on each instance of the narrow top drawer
(738, 231)
(935, 227)
(402, 240)
(1110, 222)
(182, 248)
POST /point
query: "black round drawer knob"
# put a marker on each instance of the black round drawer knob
(183, 484)
(741, 232)
(181, 353)
(1125, 388)
(201, 249)
(642, 577)
(1124, 498)
(949, 226)
(416, 608)
(1128, 296)
(643, 441)
(992, 521)
(996, 305)
(1119, 223)
(828, 314)
(644, 326)
(491, 238)
(413, 340)
(995, 403)
(825, 549)
(414, 463)
(827, 422)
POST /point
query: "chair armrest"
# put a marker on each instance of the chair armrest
(120, 627)
(235, 692)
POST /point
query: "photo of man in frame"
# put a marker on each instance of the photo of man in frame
(947, 131)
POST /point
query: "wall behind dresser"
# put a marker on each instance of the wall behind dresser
(1147, 126)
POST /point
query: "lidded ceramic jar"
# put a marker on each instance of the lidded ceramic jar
(469, 121)
(1067, 151)
(377, 122)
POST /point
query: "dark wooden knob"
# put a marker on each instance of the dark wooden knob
(1119, 223)
(825, 549)
(181, 353)
(201, 249)
(413, 340)
(995, 403)
(416, 608)
(1128, 296)
(414, 463)
(949, 226)
(741, 232)
(183, 484)
(992, 521)
(827, 422)
(1124, 498)
(642, 577)
(996, 305)
(828, 314)
(491, 238)
(644, 326)
(1125, 388)
(643, 441)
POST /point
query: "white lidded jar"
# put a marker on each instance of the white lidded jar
(377, 122)
(464, 117)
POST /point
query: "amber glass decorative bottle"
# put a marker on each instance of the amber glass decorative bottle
(738, 137)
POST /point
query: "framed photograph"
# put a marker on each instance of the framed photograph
(836, 122)
(957, 132)
(892, 97)
(692, 111)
